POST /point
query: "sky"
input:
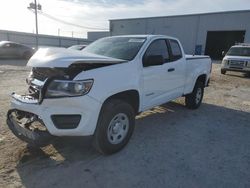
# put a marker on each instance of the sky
(94, 15)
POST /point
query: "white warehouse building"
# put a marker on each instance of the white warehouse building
(207, 33)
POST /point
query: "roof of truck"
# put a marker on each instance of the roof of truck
(247, 45)
(144, 36)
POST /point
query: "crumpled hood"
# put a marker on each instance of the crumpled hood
(61, 57)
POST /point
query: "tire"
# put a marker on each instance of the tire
(114, 127)
(223, 71)
(194, 99)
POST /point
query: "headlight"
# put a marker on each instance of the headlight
(28, 79)
(66, 88)
(225, 62)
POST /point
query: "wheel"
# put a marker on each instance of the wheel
(115, 126)
(194, 99)
(223, 71)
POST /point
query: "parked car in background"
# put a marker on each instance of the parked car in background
(77, 47)
(237, 59)
(15, 50)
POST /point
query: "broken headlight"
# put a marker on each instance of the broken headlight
(68, 88)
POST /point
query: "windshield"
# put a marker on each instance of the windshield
(239, 51)
(124, 48)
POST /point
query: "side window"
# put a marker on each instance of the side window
(7, 45)
(175, 49)
(158, 47)
(12, 45)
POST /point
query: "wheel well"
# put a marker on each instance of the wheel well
(202, 78)
(129, 96)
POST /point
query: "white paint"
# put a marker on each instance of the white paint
(111, 80)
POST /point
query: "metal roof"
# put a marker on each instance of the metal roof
(183, 15)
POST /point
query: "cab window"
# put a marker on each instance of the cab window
(158, 47)
(175, 50)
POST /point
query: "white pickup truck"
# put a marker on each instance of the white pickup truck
(99, 91)
(237, 59)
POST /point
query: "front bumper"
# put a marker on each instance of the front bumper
(237, 65)
(85, 106)
(33, 137)
(246, 70)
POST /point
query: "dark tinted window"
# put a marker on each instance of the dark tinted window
(16, 46)
(158, 47)
(117, 47)
(12, 45)
(175, 49)
(7, 45)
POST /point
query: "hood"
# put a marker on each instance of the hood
(61, 57)
(242, 58)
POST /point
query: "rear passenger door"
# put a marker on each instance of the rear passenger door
(174, 71)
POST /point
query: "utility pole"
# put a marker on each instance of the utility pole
(35, 7)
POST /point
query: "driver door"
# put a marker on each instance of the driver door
(154, 91)
(163, 83)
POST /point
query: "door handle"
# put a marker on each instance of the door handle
(171, 69)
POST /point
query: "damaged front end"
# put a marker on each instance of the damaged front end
(28, 127)
(28, 118)
(39, 79)
(53, 103)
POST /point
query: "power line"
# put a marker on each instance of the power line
(34, 6)
(68, 23)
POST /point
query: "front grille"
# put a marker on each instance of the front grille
(44, 73)
(38, 74)
(237, 64)
(38, 78)
(34, 92)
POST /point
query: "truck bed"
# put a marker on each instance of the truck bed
(190, 57)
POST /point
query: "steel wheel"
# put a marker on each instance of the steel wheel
(198, 95)
(118, 128)
(194, 99)
(115, 126)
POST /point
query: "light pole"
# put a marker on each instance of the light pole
(35, 7)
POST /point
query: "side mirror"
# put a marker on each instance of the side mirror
(223, 53)
(153, 60)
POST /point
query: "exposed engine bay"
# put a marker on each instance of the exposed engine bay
(40, 77)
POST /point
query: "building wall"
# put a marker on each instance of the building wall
(191, 30)
(94, 35)
(223, 22)
(44, 40)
